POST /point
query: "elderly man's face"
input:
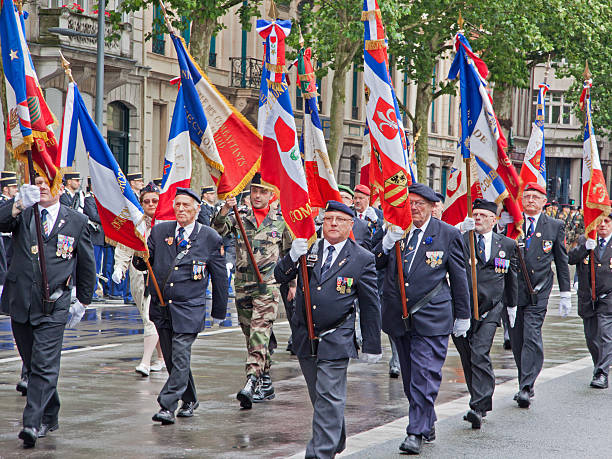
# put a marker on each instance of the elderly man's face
(604, 228)
(484, 220)
(362, 201)
(46, 198)
(337, 226)
(185, 209)
(421, 209)
(346, 198)
(438, 209)
(533, 202)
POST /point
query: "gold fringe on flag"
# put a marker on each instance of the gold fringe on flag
(276, 68)
(306, 76)
(367, 15)
(374, 44)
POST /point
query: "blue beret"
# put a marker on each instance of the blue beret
(340, 207)
(424, 191)
(440, 196)
(188, 192)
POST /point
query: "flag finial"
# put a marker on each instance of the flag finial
(273, 12)
(167, 18)
(301, 42)
(66, 66)
(461, 22)
(587, 73)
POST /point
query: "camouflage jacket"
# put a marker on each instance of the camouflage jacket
(574, 228)
(269, 242)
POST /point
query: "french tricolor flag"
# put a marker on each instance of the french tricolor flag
(70, 129)
(177, 162)
(120, 213)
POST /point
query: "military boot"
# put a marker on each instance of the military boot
(264, 390)
(245, 396)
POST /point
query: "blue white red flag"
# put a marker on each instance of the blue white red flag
(281, 162)
(121, 216)
(382, 115)
(70, 129)
(481, 136)
(262, 111)
(366, 156)
(455, 204)
(29, 124)
(595, 197)
(534, 163)
(228, 142)
(177, 161)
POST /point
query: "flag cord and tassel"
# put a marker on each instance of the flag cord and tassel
(155, 284)
(587, 76)
(247, 244)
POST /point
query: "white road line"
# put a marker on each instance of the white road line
(397, 429)
(69, 351)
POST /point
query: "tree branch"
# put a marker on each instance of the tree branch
(406, 111)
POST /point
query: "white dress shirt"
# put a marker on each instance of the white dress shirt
(52, 210)
(337, 248)
(423, 228)
(188, 230)
(488, 239)
(535, 222)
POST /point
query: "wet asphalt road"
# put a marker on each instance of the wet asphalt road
(107, 407)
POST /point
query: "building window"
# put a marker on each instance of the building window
(432, 175)
(212, 53)
(450, 115)
(558, 108)
(444, 177)
(159, 39)
(118, 134)
(355, 106)
(186, 32)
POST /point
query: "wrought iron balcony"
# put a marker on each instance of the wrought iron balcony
(245, 72)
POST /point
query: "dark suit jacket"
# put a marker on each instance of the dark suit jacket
(22, 295)
(329, 305)
(579, 256)
(547, 244)
(451, 302)
(95, 226)
(185, 296)
(493, 286)
(67, 200)
(207, 212)
(362, 233)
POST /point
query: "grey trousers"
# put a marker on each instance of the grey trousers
(326, 381)
(180, 372)
(526, 341)
(476, 360)
(394, 363)
(598, 334)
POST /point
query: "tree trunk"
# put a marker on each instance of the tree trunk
(336, 115)
(502, 104)
(421, 114)
(199, 45)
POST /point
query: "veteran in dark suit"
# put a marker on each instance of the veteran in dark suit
(38, 327)
(431, 251)
(597, 315)
(544, 243)
(183, 255)
(496, 269)
(340, 273)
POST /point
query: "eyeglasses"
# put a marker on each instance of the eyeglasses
(336, 219)
(150, 201)
(533, 197)
(417, 203)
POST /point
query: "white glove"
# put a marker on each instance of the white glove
(505, 219)
(565, 303)
(228, 267)
(461, 327)
(370, 214)
(512, 316)
(77, 311)
(217, 321)
(590, 244)
(394, 234)
(370, 358)
(469, 224)
(117, 276)
(28, 195)
(299, 247)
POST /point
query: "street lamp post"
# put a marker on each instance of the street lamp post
(100, 65)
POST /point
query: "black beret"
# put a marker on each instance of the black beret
(188, 192)
(150, 188)
(440, 196)
(134, 176)
(256, 180)
(485, 205)
(72, 176)
(158, 181)
(207, 189)
(8, 174)
(8, 181)
(424, 191)
(340, 207)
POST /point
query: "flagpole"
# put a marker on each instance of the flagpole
(155, 284)
(309, 323)
(468, 177)
(587, 76)
(262, 286)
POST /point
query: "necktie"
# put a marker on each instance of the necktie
(530, 231)
(181, 236)
(361, 216)
(45, 221)
(481, 248)
(412, 247)
(602, 247)
(328, 260)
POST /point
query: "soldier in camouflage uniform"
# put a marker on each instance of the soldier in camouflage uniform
(270, 240)
(574, 228)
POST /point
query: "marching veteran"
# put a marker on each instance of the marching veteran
(340, 273)
(183, 255)
(430, 251)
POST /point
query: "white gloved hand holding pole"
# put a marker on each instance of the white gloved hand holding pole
(299, 247)
(469, 224)
(565, 303)
(512, 316)
(461, 327)
(77, 311)
(28, 195)
(590, 244)
(505, 219)
(394, 234)
(370, 214)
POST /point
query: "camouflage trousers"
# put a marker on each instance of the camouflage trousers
(256, 314)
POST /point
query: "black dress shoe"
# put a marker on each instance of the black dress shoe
(394, 372)
(29, 435)
(187, 409)
(507, 345)
(46, 428)
(475, 418)
(22, 386)
(600, 381)
(515, 398)
(523, 399)
(245, 396)
(164, 416)
(412, 444)
(431, 436)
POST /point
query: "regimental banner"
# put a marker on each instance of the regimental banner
(455, 205)
(382, 115)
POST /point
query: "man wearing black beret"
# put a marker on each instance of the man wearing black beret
(340, 273)
(431, 250)
(496, 271)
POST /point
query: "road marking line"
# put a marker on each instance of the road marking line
(397, 429)
(69, 351)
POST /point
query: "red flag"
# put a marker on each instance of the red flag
(456, 205)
